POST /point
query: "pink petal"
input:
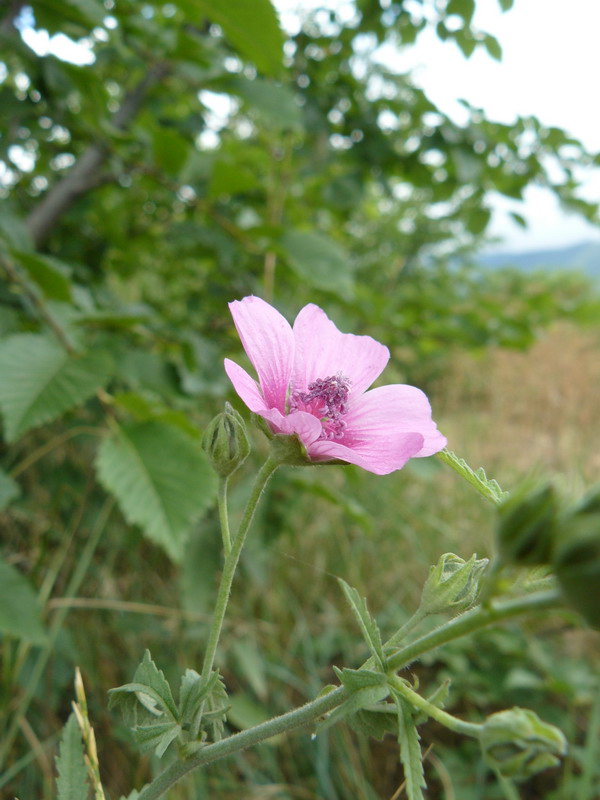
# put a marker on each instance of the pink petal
(380, 454)
(305, 425)
(392, 410)
(269, 343)
(322, 351)
(245, 386)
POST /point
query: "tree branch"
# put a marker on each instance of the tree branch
(84, 174)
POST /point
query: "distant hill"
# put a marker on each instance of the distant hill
(584, 257)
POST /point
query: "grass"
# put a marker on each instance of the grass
(515, 413)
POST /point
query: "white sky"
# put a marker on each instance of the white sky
(550, 68)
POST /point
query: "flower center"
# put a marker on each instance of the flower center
(326, 399)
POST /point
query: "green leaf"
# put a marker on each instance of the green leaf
(170, 150)
(19, 607)
(40, 381)
(492, 45)
(72, 779)
(463, 8)
(410, 750)
(477, 478)
(161, 479)
(519, 219)
(9, 489)
(375, 721)
(506, 5)
(358, 700)
(49, 274)
(367, 624)
(252, 28)
(275, 104)
(156, 737)
(319, 261)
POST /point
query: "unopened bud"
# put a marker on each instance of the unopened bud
(577, 559)
(452, 584)
(527, 526)
(517, 744)
(225, 441)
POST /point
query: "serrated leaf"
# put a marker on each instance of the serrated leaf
(72, 779)
(355, 679)
(40, 381)
(477, 478)
(49, 274)
(367, 624)
(156, 737)
(318, 260)
(149, 675)
(376, 721)
(253, 28)
(9, 489)
(362, 698)
(161, 478)
(410, 750)
(19, 607)
(193, 694)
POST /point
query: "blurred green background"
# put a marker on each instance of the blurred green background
(201, 156)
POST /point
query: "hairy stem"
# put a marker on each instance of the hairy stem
(469, 622)
(418, 701)
(224, 516)
(231, 562)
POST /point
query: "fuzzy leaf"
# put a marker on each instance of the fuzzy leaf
(151, 680)
(161, 479)
(477, 478)
(375, 721)
(19, 607)
(367, 624)
(410, 750)
(72, 779)
(156, 737)
(40, 381)
(362, 698)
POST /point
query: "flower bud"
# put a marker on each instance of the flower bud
(225, 441)
(452, 584)
(517, 744)
(527, 526)
(577, 558)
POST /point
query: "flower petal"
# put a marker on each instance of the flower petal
(322, 351)
(380, 454)
(389, 410)
(305, 425)
(269, 343)
(245, 386)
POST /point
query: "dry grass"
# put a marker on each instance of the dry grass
(529, 412)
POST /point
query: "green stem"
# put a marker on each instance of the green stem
(467, 623)
(231, 561)
(418, 701)
(240, 741)
(44, 655)
(408, 626)
(473, 620)
(224, 516)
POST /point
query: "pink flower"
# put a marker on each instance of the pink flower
(313, 381)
